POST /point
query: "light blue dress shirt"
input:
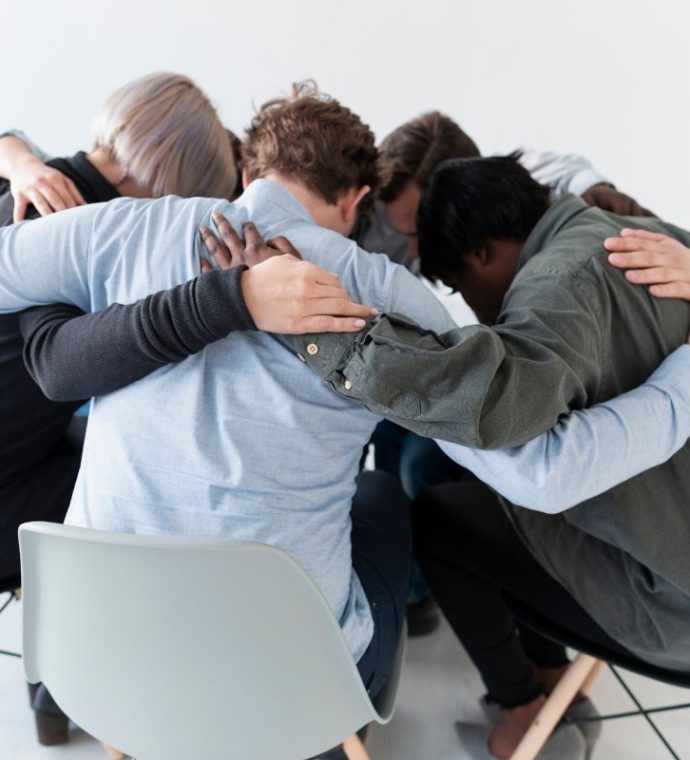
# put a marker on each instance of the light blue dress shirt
(242, 439)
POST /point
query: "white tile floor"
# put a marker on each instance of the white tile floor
(439, 686)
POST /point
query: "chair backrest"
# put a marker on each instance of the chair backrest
(169, 647)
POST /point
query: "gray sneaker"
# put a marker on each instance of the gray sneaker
(590, 729)
(565, 743)
(574, 715)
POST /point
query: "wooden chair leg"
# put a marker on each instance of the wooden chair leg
(354, 749)
(113, 754)
(577, 675)
(594, 673)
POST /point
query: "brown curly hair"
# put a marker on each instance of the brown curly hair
(312, 138)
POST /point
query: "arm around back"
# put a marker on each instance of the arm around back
(72, 355)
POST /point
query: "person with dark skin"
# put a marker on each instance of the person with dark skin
(569, 330)
(409, 155)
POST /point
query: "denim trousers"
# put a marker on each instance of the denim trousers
(382, 559)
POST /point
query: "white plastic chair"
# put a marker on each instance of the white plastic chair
(170, 647)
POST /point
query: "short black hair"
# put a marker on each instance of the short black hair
(469, 201)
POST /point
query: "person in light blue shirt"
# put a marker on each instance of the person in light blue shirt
(242, 439)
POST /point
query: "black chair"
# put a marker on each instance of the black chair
(581, 676)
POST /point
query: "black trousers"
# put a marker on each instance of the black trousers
(477, 566)
(382, 559)
(42, 493)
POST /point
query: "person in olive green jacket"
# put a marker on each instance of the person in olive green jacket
(568, 331)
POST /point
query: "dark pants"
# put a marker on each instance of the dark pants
(382, 558)
(476, 565)
(418, 463)
(43, 493)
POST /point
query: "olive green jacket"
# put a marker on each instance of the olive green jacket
(572, 332)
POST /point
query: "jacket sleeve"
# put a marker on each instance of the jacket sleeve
(72, 355)
(478, 386)
(592, 450)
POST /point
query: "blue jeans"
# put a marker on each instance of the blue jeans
(382, 559)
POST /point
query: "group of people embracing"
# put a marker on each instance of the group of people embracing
(245, 316)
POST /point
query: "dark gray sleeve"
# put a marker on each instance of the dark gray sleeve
(72, 355)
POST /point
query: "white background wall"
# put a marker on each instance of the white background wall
(605, 78)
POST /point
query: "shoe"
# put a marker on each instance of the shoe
(576, 715)
(579, 714)
(565, 743)
(52, 725)
(423, 617)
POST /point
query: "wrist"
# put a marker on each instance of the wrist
(21, 159)
(248, 291)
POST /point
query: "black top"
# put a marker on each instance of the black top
(74, 356)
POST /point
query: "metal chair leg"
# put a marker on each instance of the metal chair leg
(579, 674)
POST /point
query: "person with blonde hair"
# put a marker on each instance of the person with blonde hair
(156, 136)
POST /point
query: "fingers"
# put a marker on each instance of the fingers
(283, 245)
(205, 266)
(671, 290)
(252, 238)
(230, 237)
(219, 252)
(629, 244)
(644, 234)
(40, 204)
(20, 205)
(52, 195)
(338, 307)
(325, 323)
(654, 275)
(636, 259)
(322, 277)
(74, 194)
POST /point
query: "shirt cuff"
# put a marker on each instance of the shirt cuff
(220, 302)
(328, 354)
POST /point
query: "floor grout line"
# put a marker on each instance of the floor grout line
(644, 712)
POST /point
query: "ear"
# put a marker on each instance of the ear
(350, 202)
(478, 258)
(246, 178)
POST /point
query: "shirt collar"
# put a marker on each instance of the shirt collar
(271, 192)
(553, 221)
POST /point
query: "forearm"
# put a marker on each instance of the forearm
(72, 355)
(472, 385)
(13, 151)
(590, 451)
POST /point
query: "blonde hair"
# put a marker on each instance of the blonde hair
(167, 137)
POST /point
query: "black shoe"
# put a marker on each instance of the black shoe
(52, 725)
(423, 617)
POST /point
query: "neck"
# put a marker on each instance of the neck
(317, 207)
(115, 173)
